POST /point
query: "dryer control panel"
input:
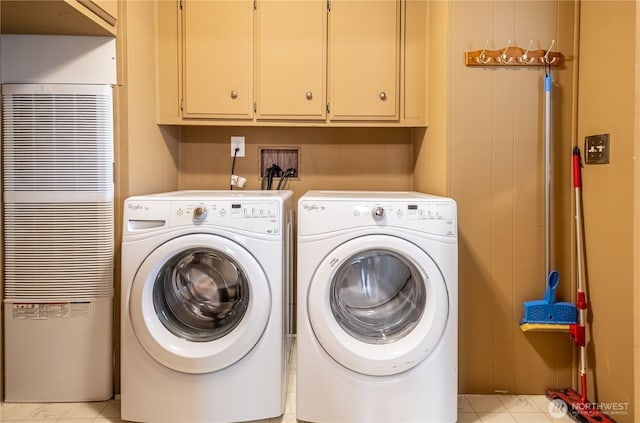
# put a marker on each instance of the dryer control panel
(433, 217)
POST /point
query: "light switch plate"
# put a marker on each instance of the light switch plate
(596, 149)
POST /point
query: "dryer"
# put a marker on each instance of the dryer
(377, 298)
(206, 321)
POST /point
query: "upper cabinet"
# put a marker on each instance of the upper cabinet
(60, 17)
(284, 62)
(364, 64)
(217, 59)
(291, 59)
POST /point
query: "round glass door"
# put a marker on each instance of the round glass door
(201, 294)
(378, 304)
(199, 303)
(377, 296)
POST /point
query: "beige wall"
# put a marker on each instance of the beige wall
(607, 102)
(151, 152)
(431, 145)
(329, 158)
(1, 291)
(636, 223)
(495, 127)
(146, 155)
(482, 147)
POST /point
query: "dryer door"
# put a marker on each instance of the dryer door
(378, 304)
(199, 303)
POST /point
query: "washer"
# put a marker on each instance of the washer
(377, 307)
(206, 321)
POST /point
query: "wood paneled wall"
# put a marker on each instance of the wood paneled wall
(486, 134)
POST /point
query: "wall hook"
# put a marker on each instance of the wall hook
(545, 58)
(513, 56)
(482, 58)
(524, 59)
(503, 57)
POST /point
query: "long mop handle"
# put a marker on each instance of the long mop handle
(581, 300)
(547, 174)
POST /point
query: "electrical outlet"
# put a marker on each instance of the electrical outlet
(237, 142)
(597, 149)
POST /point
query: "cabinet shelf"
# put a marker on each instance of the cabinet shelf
(59, 17)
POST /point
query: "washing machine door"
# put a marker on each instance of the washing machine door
(378, 304)
(199, 303)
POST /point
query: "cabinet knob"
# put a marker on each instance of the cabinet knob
(383, 95)
(309, 95)
(234, 94)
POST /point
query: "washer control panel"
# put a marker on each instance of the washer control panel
(253, 216)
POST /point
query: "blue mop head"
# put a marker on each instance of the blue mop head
(547, 310)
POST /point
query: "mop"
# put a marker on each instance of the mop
(576, 405)
(548, 315)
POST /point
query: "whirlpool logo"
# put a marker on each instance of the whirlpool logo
(312, 207)
(136, 206)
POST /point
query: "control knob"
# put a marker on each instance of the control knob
(199, 214)
(378, 213)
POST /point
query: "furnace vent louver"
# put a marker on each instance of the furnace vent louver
(57, 178)
(57, 142)
(58, 216)
(65, 256)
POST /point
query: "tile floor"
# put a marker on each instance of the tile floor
(471, 409)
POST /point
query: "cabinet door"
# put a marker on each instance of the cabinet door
(291, 59)
(364, 59)
(217, 57)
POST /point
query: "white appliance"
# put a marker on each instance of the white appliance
(57, 182)
(206, 326)
(377, 307)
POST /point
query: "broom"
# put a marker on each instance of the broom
(578, 406)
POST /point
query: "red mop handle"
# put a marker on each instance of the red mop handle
(581, 301)
(578, 334)
(577, 164)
